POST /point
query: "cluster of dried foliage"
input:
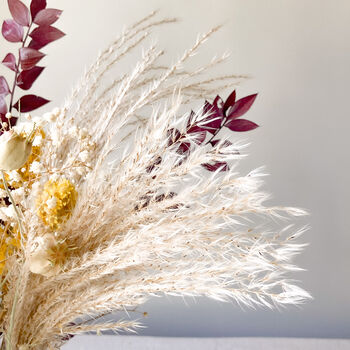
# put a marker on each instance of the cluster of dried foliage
(144, 218)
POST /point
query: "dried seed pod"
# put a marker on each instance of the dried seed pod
(15, 150)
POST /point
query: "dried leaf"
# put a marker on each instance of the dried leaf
(191, 119)
(214, 142)
(34, 45)
(19, 12)
(47, 17)
(36, 6)
(151, 167)
(230, 101)
(226, 143)
(184, 148)
(218, 102)
(223, 166)
(12, 31)
(10, 62)
(44, 35)
(27, 77)
(29, 103)
(3, 105)
(241, 125)
(173, 135)
(199, 133)
(241, 107)
(29, 57)
(212, 123)
(10, 122)
(4, 87)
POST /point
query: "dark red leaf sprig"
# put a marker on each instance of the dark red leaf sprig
(215, 116)
(34, 24)
(203, 129)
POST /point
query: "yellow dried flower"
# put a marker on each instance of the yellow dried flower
(10, 241)
(56, 202)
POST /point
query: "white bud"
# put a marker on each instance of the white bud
(14, 150)
(56, 111)
(39, 259)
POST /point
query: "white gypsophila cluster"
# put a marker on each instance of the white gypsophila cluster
(78, 158)
(148, 220)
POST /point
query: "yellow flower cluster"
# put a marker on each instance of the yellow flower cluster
(9, 243)
(56, 202)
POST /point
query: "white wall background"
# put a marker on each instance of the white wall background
(299, 55)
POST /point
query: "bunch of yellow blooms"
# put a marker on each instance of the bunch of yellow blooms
(10, 241)
(56, 202)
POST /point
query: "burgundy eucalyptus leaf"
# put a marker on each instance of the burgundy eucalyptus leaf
(214, 142)
(4, 87)
(184, 148)
(9, 122)
(34, 45)
(194, 129)
(230, 101)
(207, 108)
(151, 167)
(47, 17)
(223, 166)
(10, 62)
(3, 118)
(44, 35)
(241, 125)
(199, 133)
(3, 105)
(36, 6)
(218, 102)
(29, 103)
(12, 31)
(27, 77)
(191, 119)
(29, 57)
(200, 137)
(224, 144)
(211, 123)
(19, 12)
(241, 107)
(173, 135)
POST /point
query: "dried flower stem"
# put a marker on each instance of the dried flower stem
(19, 215)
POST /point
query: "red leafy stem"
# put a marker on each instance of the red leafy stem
(217, 115)
(26, 71)
(17, 68)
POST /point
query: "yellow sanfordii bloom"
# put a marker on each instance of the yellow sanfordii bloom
(10, 241)
(56, 202)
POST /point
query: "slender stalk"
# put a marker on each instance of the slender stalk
(17, 211)
(17, 69)
(217, 130)
(3, 342)
(9, 334)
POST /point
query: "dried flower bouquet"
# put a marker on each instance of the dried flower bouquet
(119, 195)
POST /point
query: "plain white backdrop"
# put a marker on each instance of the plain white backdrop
(298, 53)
